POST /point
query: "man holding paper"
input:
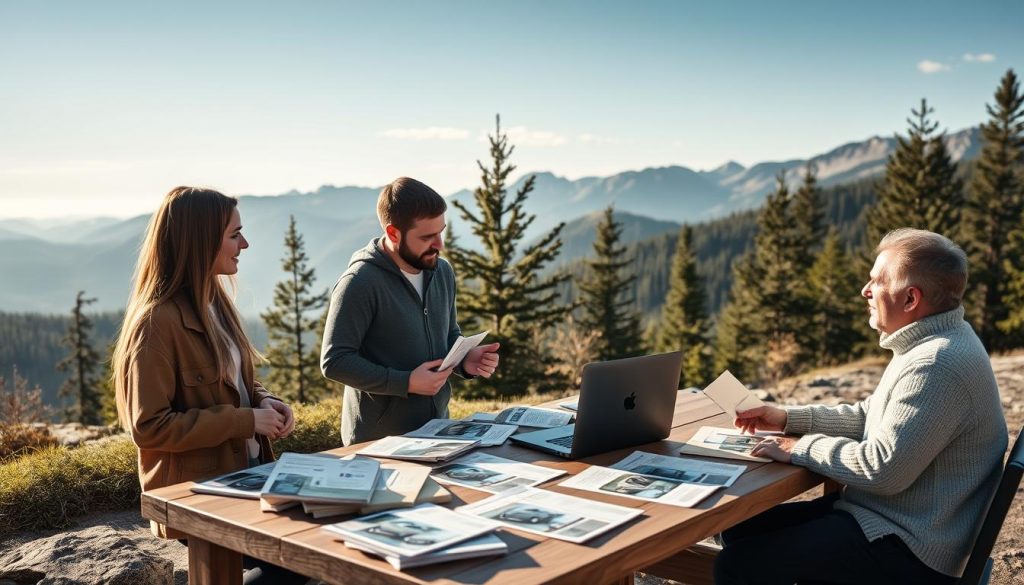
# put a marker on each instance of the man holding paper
(392, 320)
(919, 458)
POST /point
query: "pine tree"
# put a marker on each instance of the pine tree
(995, 203)
(108, 391)
(293, 350)
(502, 288)
(921, 188)
(683, 316)
(808, 212)
(80, 393)
(837, 304)
(605, 294)
(738, 346)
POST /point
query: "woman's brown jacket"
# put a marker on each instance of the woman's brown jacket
(183, 413)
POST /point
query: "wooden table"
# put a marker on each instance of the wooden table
(223, 527)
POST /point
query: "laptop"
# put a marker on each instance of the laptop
(622, 403)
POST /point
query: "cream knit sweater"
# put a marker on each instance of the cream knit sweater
(921, 456)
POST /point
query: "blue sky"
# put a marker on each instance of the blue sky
(107, 105)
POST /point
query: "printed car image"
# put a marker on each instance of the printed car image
(667, 472)
(535, 518)
(245, 481)
(405, 531)
(640, 486)
(464, 429)
(470, 475)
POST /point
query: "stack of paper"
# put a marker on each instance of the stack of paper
(425, 534)
(481, 546)
(526, 416)
(319, 478)
(398, 486)
(413, 449)
(493, 474)
(489, 434)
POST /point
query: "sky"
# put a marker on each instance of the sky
(105, 106)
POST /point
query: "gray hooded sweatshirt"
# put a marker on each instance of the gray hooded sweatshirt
(378, 331)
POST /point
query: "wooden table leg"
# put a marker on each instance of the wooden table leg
(210, 564)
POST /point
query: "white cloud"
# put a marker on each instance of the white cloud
(595, 139)
(431, 133)
(979, 57)
(928, 67)
(522, 135)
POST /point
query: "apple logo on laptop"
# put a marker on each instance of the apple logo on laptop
(630, 402)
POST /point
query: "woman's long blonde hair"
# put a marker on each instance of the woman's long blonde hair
(177, 254)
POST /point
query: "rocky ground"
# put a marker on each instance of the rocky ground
(128, 532)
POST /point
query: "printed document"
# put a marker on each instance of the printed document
(488, 473)
(458, 352)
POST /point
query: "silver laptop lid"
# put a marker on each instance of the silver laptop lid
(626, 402)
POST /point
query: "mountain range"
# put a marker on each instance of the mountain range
(45, 262)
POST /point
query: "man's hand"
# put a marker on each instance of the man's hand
(777, 448)
(761, 418)
(424, 380)
(285, 411)
(482, 360)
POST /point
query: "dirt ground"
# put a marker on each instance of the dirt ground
(844, 384)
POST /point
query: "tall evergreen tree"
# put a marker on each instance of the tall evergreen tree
(921, 188)
(995, 202)
(808, 212)
(683, 316)
(837, 303)
(606, 296)
(294, 348)
(80, 393)
(739, 346)
(502, 289)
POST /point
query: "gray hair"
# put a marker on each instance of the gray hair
(928, 261)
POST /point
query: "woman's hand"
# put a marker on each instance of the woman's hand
(284, 411)
(269, 422)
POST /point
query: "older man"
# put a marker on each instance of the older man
(919, 458)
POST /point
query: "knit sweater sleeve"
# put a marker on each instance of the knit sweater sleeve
(844, 420)
(926, 410)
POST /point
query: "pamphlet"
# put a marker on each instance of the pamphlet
(526, 416)
(682, 469)
(481, 546)
(415, 449)
(730, 394)
(489, 434)
(493, 474)
(458, 352)
(317, 478)
(573, 406)
(666, 480)
(552, 514)
(244, 483)
(411, 532)
(398, 486)
(727, 443)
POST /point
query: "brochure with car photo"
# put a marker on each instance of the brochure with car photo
(526, 416)
(488, 473)
(727, 443)
(682, 469)
(418, 449)
(317, 478)
(552, 514)
(245, 483)
(489, 434)
(487, 545)
(411, 532)
(605, 480)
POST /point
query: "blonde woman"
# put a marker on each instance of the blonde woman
(183, 367)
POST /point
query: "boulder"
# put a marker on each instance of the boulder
(94, 555)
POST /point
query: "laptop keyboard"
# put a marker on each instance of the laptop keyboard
(565, 441)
